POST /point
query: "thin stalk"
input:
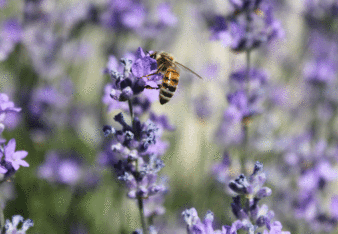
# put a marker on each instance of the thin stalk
(139, 199)
(245, 145)
(143, 219)
(131, 113)
(246, 121)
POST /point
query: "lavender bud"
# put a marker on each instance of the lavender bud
(126, 94)
(264, 192)
(239, 185)
(107, 130)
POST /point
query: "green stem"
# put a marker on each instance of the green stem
(143, 220)
(2, 220)
(245, 146)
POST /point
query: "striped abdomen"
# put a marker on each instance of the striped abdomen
(169, 84)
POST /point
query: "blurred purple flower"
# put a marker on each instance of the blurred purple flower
(310, 163)
(134, 16)
(162, 122)
(15, 158)
(56, 169)
(250, 25)
(202, 107)
(44, 47)
(34, 12)
(166, 16)
(230, 131)
(6, 105)
(3, 3)
(222, 171)
(320, 13)
(245, 101)
(322, 66)
(254, 80)
(10, 35)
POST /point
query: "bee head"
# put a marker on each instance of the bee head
(153, 55)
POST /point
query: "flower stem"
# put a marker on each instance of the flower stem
(2, 220)
(143, 220)
(131, 113)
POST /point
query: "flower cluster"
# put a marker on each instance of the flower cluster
(135, 151)
(11, 160)
(134, 16)
(135, 155)
(322, 12)
(126, 82)
(65, 171)
(49, 106)
(10, 35)
(311, 163)
(245, 102)
(250, 216)
(248, 26)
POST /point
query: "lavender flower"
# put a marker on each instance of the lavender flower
(250, 216)
(322, 65)
(6, 105)
(222, 171)
(50, 107)
(126, 83)
(310, 162)
(62, 170)
(245, 102)
(248, 26)
(15, 158)
(137, 150)
(320, 14)
(133, 16)
(195, 225)
(12, 227)
(6, 108)
(202, 107)
(10, 35)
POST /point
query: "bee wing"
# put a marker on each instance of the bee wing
(189, 70)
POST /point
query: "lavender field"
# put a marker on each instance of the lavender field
(156, 117)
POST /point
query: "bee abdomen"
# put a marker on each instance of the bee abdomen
(170, 81)
(165, 95)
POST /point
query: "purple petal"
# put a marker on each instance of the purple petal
(9, 148)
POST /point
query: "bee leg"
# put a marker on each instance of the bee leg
(149, 87)
(155, 73)
(150, 75)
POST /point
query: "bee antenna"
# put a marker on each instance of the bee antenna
(147, 52)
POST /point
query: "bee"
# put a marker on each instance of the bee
(169, 68)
